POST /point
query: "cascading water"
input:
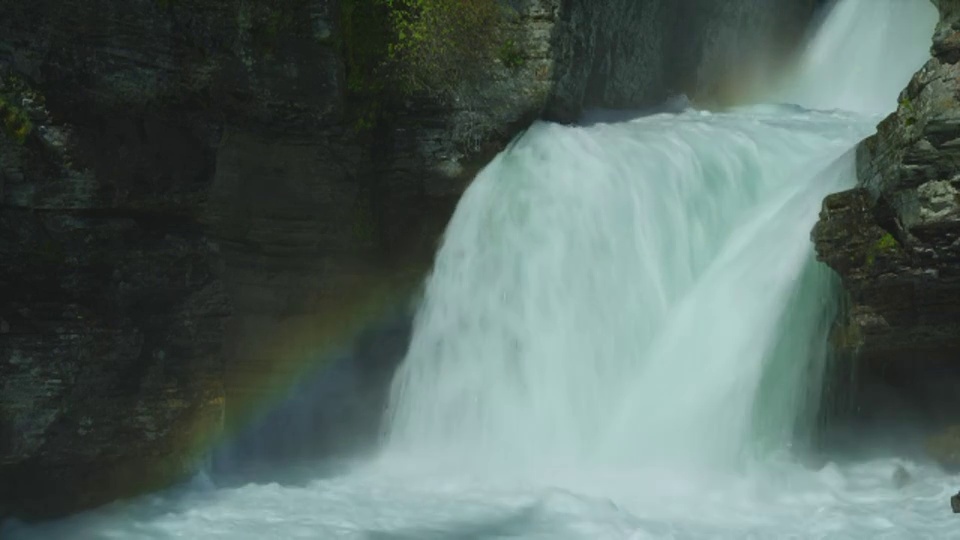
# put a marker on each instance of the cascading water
(623, 333)
(615, 293)
(855, 62)
(618, 293)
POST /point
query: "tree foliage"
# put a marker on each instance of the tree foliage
(14, 120)
(418, 46)
(439, 42)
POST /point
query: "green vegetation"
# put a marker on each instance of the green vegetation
(17, 100)
(906, 104)
(887, 244)
(395, 49)
(16, 123)
(438, 42)
(510, 55)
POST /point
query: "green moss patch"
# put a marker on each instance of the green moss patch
(887, 244)
(17, 102)
(440, 42)
(510, 54)
(394, 49)
(909, 111)
(16, 123)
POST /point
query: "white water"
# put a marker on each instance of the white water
(624, 330)
(855, 61)
(580, 309)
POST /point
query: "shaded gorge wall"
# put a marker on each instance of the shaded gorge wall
(200, 207)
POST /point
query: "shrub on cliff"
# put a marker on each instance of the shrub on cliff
(440, 42)
(411, 47)
(14, 121)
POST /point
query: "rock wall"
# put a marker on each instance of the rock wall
(626, 54)
(112, 308)
(187, 206)
(895, 241)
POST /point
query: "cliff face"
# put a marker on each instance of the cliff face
(895, 240)
(113, 309)
(625, 54)
(187, 187)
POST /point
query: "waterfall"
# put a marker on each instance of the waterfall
(645, 292)
(862, 56)
(623, 333)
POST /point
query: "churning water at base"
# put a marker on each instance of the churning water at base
(623, 337)
(398, 501)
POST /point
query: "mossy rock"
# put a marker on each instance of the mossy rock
(397, 49)
(16, 123)
(886, 245)
(510, 54)
(18, 103)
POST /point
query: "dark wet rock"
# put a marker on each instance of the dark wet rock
(895, 241)
(112, 312)
(190, 213)
(955, 503)
(901, 477)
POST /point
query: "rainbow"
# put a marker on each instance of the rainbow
(296, 348)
